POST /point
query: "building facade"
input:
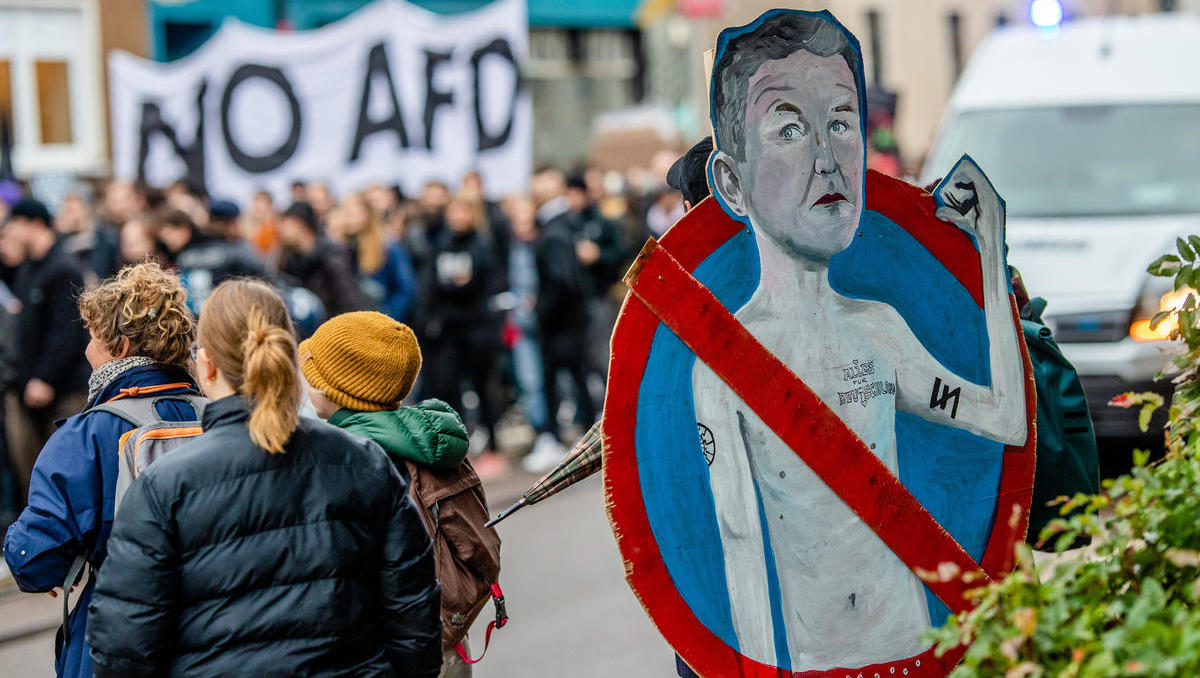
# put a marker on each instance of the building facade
(588, 59)
(52, 79)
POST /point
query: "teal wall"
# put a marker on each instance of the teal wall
(193, 22)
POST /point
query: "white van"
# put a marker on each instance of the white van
(1091, 134)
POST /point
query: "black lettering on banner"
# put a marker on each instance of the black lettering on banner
(259, 164)
(500, 48)
(377, 65)
(936, 401)
(434, 98)
(192, 154)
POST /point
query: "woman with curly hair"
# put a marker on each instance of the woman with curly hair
(271, 545)
(141, 336)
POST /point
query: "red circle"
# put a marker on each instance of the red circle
(691, 241)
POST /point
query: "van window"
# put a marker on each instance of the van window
(1082, 160)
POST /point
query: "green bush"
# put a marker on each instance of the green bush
(1125, 606)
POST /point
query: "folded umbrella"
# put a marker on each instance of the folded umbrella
(583, 460)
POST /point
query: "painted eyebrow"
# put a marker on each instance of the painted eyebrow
(785, 107)
(844, 108)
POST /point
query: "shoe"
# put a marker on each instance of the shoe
(491, 465)
(545, 455)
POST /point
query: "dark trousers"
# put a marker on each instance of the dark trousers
(457, 357)
(566, 351)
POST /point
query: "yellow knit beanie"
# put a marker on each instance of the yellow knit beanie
(362, 361)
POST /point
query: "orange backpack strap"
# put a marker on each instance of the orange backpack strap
(138, 391)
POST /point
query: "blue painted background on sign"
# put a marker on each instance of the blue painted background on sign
(939, 465)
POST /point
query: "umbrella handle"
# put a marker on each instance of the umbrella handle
(506, 512)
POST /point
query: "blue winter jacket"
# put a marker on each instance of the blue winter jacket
(399, 282)
(71, 502)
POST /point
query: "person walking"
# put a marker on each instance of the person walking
(562, 310)
(526, 347)
(385, 271)
(94, 248)
(270, 545)
(203, 261)
(315, 263)
(358, 367)
(141, 336)
(462, 334)
(50, 339)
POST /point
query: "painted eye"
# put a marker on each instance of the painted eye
(839, 127)
(791, 132)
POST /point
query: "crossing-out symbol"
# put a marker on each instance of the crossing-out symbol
(707, 443)
(936, 401)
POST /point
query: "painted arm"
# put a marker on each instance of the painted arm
(736, 504)
(927, 388)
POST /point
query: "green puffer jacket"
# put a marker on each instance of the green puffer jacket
(429, 433)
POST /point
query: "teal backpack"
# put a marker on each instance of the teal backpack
(1068, 461)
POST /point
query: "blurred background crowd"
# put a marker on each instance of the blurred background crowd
(513, 300)
(513, 293)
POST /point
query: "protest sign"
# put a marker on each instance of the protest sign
(818, 424)
(393, 93)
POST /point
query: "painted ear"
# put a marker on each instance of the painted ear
(727, 184)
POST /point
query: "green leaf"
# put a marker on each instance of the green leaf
(1194, 241)
(1182, 276)
(1159, 318)
(1141, 457)
(1164, 266)
(1185, 250)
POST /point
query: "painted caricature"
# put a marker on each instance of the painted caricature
(810, 586)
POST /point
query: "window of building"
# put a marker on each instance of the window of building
(5, 92)
(54, 101)
(954, 23)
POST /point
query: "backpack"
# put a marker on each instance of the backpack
(1068, 461)
(149, 440)
(466, 553)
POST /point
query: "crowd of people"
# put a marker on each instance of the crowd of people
(123, 309)
(512, 300)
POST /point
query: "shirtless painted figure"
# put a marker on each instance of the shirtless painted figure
(788, 109)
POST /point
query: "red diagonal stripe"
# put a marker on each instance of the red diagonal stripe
(804, 423)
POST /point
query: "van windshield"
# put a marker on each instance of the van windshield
(1082, 160)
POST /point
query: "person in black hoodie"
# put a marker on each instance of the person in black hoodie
(50, 338)
(271, 545)
(314, 262)
(462, 335)
(600, 249)
(203, 261)
(564, 290)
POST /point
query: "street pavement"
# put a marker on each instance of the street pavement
(571, 612)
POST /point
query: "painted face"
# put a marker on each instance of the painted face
(802, 174)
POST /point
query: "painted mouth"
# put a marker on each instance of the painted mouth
(829, 198)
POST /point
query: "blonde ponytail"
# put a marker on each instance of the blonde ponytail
(270, 383)
(246, 331)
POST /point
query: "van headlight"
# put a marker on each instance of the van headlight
(1153, 302)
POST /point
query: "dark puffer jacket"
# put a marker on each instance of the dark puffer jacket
(228, 561)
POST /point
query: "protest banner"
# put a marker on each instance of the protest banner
(393, 93)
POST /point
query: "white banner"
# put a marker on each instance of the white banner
(391, 94)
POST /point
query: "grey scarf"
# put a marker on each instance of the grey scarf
(106, 373)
